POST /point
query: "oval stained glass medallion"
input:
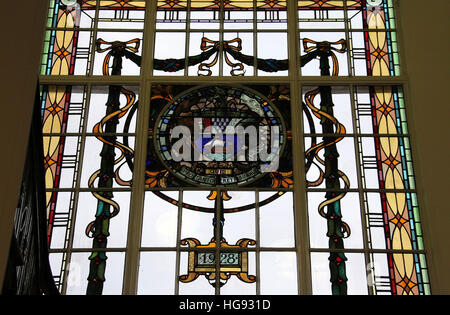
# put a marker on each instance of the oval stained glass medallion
(219, 136)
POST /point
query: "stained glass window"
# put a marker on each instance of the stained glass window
(229, 147)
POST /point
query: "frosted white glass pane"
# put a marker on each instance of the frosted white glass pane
(277, 221)
(157, 273)
(160, 221)
(197, 225)
(278, 273)
(170, 45)
(239, 225)
(272, 46)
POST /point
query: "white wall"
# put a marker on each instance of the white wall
(425, 26)
(21, 28)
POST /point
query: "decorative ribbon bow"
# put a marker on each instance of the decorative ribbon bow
(208, 44)
(326, 48)
(116, 49)
(239, 65)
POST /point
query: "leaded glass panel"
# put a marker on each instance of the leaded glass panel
(227, 147)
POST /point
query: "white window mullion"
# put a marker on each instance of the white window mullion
(131, 273)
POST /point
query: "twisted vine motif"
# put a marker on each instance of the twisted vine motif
(329, 171)
(107, 208)
(337, 229)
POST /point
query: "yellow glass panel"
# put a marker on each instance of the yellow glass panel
(48, 194)
(56, 67)
(336, 3)
(60, 94)
(242, 3)
(68, 37)
(380, 68)
(49, 181)
(406, 245)
(200, 4)
(116, 3)
(53, 145)
(47, 126)
(396, 202)
(52, 125)
(401, 201)
(383, 94)
(62, 20)
(376, 68)
(393, 180)
(398, 180)
(105, 3)
(139, 4)
(46, 145)
(60, 67)
(325, 3)
(391, 199)
(303, 3)
(382, 125)
(52, 94)
(264, 3)
(389, 145)
(384, 68)
(389, 184)
(398, 260)
(179, 4)
(69, 20)
(391, 129)
(60, 39)
(56, 124)
(375, 21)
(378, 39)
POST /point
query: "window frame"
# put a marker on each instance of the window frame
(294, 80)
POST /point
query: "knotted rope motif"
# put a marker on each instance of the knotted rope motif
(115, 49)
(326, 49)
